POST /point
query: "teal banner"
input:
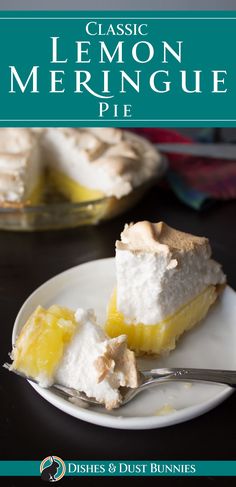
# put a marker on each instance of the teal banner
(118, 69)
(57, 468)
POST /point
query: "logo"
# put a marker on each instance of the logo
(52, 469)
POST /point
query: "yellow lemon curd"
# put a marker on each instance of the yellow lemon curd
(36, 194)
(42, 340)
(160, 337)
(73, 190)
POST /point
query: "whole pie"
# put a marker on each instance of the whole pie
(81, 164)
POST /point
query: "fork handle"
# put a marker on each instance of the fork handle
(227, 377)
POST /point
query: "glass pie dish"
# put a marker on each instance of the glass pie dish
(65, 214)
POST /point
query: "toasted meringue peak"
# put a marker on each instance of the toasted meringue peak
(15, 140)
(154, 237)
(87, 144)
(108, 135)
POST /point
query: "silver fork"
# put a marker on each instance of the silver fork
(148, 379)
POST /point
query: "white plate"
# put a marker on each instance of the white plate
(211, 344)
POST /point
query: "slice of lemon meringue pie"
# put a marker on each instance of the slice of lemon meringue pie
(166, 283)
(110, 167)
(59, 346)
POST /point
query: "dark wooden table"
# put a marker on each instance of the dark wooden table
(31, 428)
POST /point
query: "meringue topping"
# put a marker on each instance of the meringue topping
(153, 237)
(96, 364)
(19, 170)
(108, 135)
(15, 140)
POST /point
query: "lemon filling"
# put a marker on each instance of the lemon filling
(71, 189)
(40, 345)
(36, 194)
(160, 337)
